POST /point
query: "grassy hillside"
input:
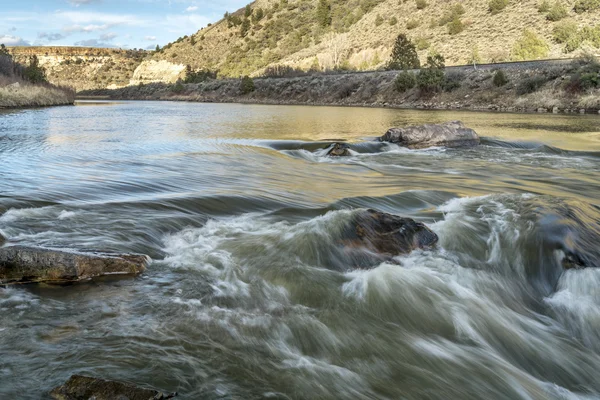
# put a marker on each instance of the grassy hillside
(359, 34)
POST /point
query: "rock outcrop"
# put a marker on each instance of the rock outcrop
(157, 71)
(80, 387)
(339, 150)
(450, 134)
(2, 240)
(20, 264)
(388, 234)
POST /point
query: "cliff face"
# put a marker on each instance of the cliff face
(157, 71)
(83, 68)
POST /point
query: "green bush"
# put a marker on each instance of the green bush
(530, 85)
(421, 4)
(582, 6)
(393, 21)
(565, 31)
(456, 26)
(405, 81)
(496, 6)
(247, 85)
(452, 81)
(557, 12)
(500, 78)
(178, 88)
(34, 73)
(378, 20)
(404, 54)
(431, 78)
(530, 47)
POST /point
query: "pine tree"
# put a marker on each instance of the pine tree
(157, 48)
(324, 13)
(248, 11)
(404, 54)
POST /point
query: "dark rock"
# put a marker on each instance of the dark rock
(388, 234)
(450, 134)
(80, 387)
(339, 150)
(2, 240)
(20, 264)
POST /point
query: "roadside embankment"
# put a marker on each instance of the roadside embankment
(29, 95)
(542, 87)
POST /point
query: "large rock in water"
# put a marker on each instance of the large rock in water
(450, 134)
(80, 387)
(339, 150)
(388, 234)
(20, 264)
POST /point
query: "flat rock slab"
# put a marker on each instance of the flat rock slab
(21, 264)
(388, 234)
(80, 387)
(450, 134)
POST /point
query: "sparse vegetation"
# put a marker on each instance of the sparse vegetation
(421, 4)
(582, 6)
(431, 78)
(557, 12)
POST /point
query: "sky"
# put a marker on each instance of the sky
(126, 24)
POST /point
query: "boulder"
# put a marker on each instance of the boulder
(450, 134)
(388, 234)
(339, 150)
(2, 240)
(80, 387)
(20, 264)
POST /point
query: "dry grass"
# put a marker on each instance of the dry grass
(591, 100)
(35, 96)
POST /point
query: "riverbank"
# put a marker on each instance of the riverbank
(541, 87)
(27, 95)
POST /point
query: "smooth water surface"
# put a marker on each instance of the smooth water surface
(250, 294)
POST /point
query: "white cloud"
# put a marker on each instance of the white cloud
(87, 28)
(77, 3)
(150, 38)
(93, 43)
(99, 18)
(10, 40)
(191, 8)
(51, 37)
(108, 36)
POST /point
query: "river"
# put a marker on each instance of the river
(249, 295)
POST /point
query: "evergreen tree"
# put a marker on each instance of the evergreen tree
(157, 48)
(324, 13)
(248, 11)
(404, 54)
(245, 27)
(4, 51)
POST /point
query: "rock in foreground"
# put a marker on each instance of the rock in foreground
(80, 387)
(450, 134)
(339, 150)
(388, 234)
(20, 264)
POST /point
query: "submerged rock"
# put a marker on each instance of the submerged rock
(20, 264)
(339, 150)
(80, 387)
(450, 134)
(388, 234)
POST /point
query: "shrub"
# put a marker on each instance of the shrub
(247, 85)
(405, 81)
(412, 24)
(324, 13)
(452, 81)
(423, 44)
(496, 6)
(530, 85)
(421, 4)
(456, 26)
(529, 47)
(556, 12)
(565, 31)
(500, 78)
(378, 20)
(404, 54)
(178, 88)
(582, 6)
(431, 78)
(34, 73)
(393, 21)
(544, 7)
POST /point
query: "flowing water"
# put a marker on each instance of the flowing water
(250, 294)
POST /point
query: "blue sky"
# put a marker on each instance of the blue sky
(106, 23)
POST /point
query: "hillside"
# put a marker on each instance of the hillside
(338, 34)
(83, 67)
(359, 34)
